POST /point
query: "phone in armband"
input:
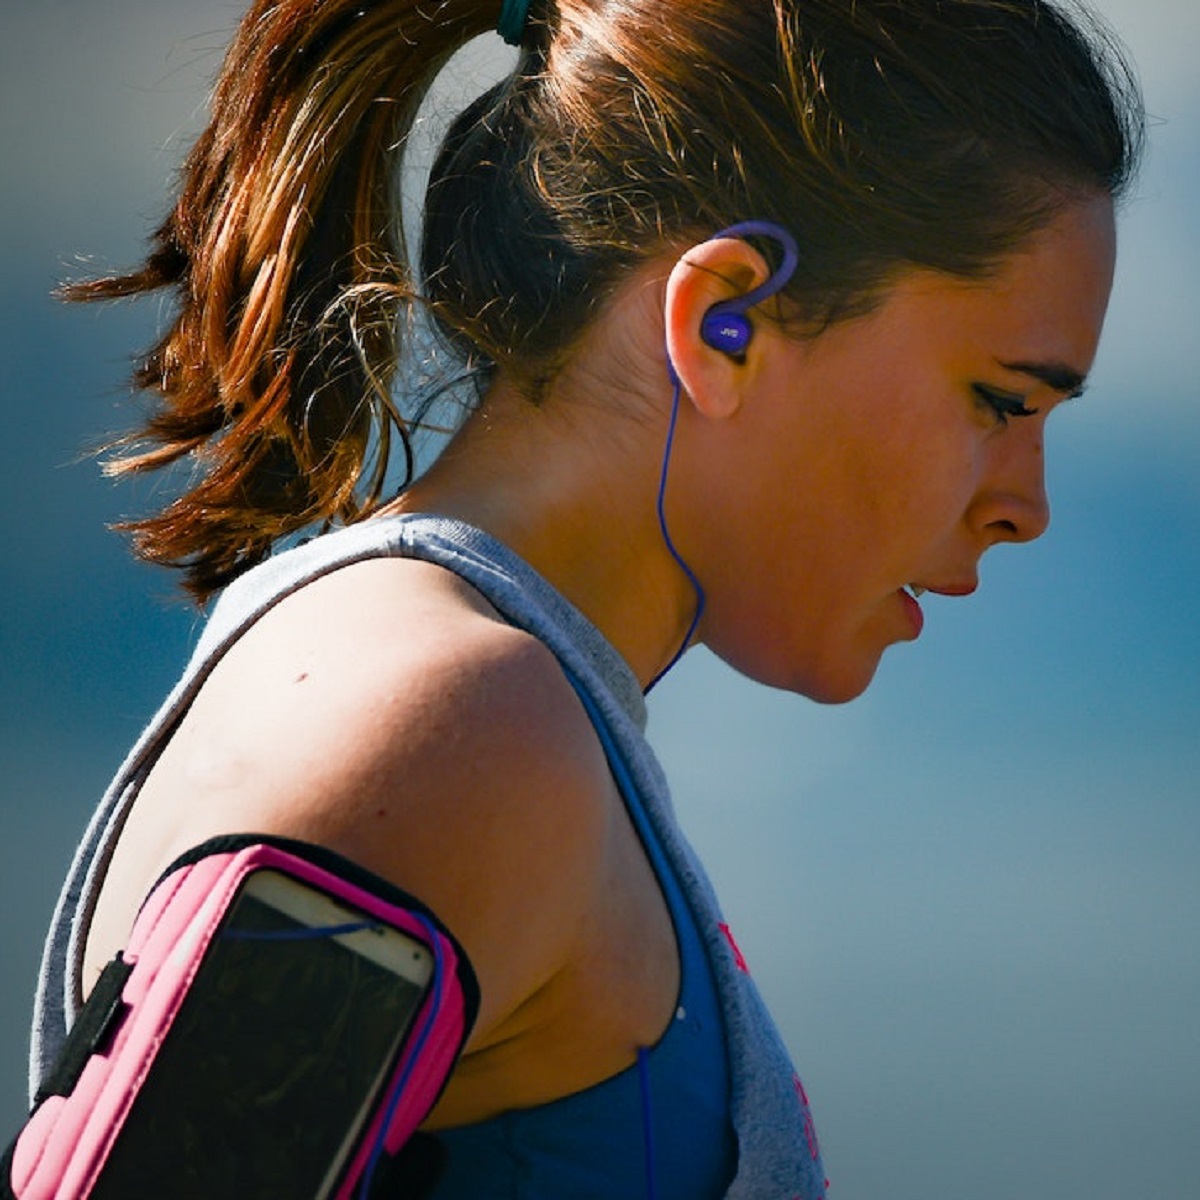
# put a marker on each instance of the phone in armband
(280, 1023)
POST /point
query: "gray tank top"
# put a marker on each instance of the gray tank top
(778, 1155)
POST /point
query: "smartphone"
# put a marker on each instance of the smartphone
(278, 1055)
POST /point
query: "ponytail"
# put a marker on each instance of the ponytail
(287, 257)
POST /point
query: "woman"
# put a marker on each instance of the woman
(768, 304)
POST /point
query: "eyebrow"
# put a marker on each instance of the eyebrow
(1055, 375)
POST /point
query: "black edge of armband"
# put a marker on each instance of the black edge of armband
(412, 1173)
(352, 872)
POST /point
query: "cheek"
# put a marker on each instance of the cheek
(806, 541)
(916, 490)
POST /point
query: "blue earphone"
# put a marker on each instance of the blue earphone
(725, 327)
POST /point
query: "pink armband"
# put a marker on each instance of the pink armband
(279, 1014)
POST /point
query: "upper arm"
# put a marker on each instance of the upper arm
(435, 746)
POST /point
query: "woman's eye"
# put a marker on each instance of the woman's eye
(1001, 404)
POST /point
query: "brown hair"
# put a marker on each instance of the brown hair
(883, 133)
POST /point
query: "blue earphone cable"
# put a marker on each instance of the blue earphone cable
(643, 1065)
(666, 533)
(726, 328)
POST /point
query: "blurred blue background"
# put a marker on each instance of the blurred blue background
(972, 897)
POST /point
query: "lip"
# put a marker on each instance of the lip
(966, 588)
(916, 618)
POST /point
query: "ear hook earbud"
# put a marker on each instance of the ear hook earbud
(725, 326)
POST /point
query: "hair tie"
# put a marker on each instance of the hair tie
(513, 16)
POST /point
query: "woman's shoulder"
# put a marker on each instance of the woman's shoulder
(400, 661)
(388, 712)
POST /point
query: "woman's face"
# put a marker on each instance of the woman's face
(893, 451)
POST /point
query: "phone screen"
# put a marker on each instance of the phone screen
(268, 1072)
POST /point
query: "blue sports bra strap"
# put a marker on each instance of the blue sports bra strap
(633, 804)
(616, 760)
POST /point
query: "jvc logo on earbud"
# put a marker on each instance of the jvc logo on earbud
(726, 332)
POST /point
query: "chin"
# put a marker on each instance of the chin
(828, 681)
(844, 680)
(840, 691)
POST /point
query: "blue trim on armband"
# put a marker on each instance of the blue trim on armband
(308, 932)
(432, 1009)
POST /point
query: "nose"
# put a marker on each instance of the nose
(1012, 504)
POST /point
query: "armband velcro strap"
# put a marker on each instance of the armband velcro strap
(96, 1023)
(209, 908)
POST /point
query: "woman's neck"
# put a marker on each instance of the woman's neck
(571, 487)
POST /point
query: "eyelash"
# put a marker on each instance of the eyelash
(1002, 405)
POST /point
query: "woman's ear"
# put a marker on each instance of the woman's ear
(714, 271)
